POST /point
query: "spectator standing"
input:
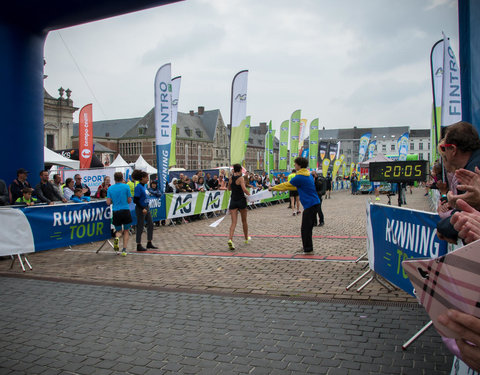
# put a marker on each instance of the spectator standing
(153, 190)
(329, 185)
(305, 185)
(17, 185)
(321, 188)
(119, 197)
(140, 199)
(80, 185)
(353, 182)
(57, 184)
(4, 199)
(294, 198)
(45, 191)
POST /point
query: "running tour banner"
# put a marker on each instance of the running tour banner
(85, 136)
(294, 136)
(283, 151)
(313, 144)
(45, 227)
(163, 122)
(175, 96)
(397, 234)
(238, 112)
(364, 139)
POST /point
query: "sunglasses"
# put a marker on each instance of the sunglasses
(444, 146)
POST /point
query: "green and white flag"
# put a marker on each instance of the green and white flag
(436, 66)
(266, 154)
(271, 160)
(283, 151)
(175, 96)
(237, 115)
(180, 205)
(313, 144)
(294, 135)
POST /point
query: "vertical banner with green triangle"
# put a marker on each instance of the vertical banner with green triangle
(175, 96)
(294, 135)
(238, 112)
(283, 151)
(313, 144)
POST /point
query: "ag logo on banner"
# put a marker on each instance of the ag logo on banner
(212, 201)
(180, 205)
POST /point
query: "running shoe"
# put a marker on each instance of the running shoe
(115, 244)
(231, 245)
(248, 240)
(377, 198)
(124, 252)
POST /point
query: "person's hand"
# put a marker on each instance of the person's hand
(466, 222)
(85, 190)
(470, 184)
(442, 187)
(64, 200)
(51, 204)
(145, 211)
(468, 328)
(443, 207)
(270, 188)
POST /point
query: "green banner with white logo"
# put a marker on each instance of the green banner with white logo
(187, 204)
(294, 135)
(313, 144)
(283, 150)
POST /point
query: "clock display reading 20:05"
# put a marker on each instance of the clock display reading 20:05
(398, 171)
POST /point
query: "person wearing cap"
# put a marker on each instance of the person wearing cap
(17, 185)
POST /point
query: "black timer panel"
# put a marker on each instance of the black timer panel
(398, 171)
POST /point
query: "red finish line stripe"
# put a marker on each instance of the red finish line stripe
(279, 236)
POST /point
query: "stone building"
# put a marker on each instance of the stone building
(58, 119)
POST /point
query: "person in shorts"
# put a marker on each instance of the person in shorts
(119, 197)
(238, 202)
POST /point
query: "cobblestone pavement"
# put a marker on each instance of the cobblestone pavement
(66, 328)
(308, 278)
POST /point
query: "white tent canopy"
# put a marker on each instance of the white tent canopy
(142, 164)
(375, 159)
(52, 158)
(119, 162)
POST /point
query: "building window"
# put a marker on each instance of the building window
(412, 146)
(384, 147)
(51, 141)
(420, 146)
(392, 147)
(420, 156)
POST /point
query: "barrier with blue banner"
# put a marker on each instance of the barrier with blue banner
(397, 234)
(38, 228)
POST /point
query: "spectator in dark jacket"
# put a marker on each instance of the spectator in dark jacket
(16, 187)
(4, 199)
(321, 188)
(45, 191)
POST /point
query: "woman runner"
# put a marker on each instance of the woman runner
(238, 202)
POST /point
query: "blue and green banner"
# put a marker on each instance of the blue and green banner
(402, 145)
(283, 150)
(371, 149)
(163, 122)
(294, 135)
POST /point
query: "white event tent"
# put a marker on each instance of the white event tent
(142, 164)
(119, 162)
(52, 158)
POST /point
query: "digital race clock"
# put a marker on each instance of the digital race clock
(398, 171)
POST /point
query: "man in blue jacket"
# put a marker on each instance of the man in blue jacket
(303, 182)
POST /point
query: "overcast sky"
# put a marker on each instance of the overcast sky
(348, 62)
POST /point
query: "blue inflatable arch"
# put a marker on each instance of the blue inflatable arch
(23, 29)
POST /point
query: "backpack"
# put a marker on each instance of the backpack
(321, 185)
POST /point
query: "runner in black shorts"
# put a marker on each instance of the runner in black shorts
(238, 202)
